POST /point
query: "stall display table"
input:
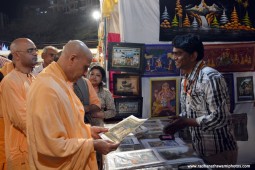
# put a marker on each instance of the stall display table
(144, 150)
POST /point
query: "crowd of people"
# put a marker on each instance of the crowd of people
(42, 117)
(51, 114)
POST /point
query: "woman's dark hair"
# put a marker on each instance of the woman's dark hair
(189, 43)
(102, 71)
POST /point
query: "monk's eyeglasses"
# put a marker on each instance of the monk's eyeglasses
(52, 55)
(30, 50)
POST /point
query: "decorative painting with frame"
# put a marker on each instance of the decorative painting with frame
(177, 153)
(132, 159)
(127, 84)
(212, 20)
(244, 87)
(126, 57)
(159, 60)
(128, 106)
(229, 78)
(157, 143)
(230, 57)
(164, 97)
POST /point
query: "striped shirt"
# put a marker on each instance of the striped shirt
(209, 104)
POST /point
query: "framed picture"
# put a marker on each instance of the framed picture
(230, 57)
(129, 143)
(126, 57)
(153, 125)
(159, 60)
(240, 126)
(177, 153)
(127, 84)
(244, 87)
(157, 143)
(212, 20)
(128, 106)
(229, 78)
(132, 159)
(164, 97)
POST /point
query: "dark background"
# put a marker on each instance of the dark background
(23, 18)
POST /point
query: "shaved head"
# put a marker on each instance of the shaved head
(75, 59)
(19, 43)
(24, 54)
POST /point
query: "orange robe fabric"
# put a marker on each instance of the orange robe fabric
(8, 67)
(93, 99)
(57, 135)
(14, 88)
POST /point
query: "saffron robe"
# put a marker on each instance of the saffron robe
(8, 67)
(14, 88)
(57, 136)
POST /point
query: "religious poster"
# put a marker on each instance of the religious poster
(213, 20)
(159, 60)
(164, 97)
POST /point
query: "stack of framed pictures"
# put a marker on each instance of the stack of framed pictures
(152, 159)
(155, 128)
(128, 60)
(129, 143)
(132, 159)
(156, 143)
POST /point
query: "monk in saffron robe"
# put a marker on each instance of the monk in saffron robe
(58, 138)
(14, 88)
(8, 67)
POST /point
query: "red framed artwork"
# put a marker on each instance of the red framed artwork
(230, 57)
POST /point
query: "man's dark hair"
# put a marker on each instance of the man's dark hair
(189, 43)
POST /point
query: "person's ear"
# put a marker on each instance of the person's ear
(72, 58)
(16, 56)
(194, 56)
(43, 55)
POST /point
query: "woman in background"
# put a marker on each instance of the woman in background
(96, 76)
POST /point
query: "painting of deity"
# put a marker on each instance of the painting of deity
(230, 57)
(159, 60)
(164, 97)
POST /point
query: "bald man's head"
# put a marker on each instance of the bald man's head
(24, 54)
(19, 43)
(75, 59)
